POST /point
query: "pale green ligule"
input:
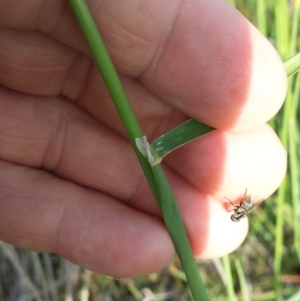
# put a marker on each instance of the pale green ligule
(144, 147)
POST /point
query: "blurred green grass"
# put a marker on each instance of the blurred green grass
(265, 267)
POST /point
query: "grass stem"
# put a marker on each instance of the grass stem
(156, 178)
(112, 81)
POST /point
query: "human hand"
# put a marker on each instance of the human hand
(70, 182)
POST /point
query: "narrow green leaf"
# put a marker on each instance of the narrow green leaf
(181, 135)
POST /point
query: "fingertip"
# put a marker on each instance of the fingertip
(255, 160)
(224, 235)
(267, 87)
(224, 74)
(211, 231)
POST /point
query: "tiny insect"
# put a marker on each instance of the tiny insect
(242, 209)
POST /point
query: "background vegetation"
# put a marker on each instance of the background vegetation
(265, 267)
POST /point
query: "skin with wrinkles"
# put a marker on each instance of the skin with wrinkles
(70, 182)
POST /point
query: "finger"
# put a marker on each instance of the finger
(224, 164)
(44, 213)
(221, 73)
(55, 135)
(34, 63)
(237, 82)
(211, 231)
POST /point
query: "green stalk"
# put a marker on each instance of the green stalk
(178, 233)
(293, 65)
(112, 81)
(229, 280)
(261, 16)
(242, 280)
(155, 176)
(281, 197)
(295, 28)
(282, 27)
(279, 244)
(282, 45)
(295, 186)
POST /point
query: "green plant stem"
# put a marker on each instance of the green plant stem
(292, 66)
(178, 234)
(279, 244)
(229, 279)
(156, 178)
(295, 28)
(283, 47)
(261, 17)
(112, 81)
(295, 187)
(242, 280)
(282, 27)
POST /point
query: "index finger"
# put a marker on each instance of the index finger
(201, 57)
(216, 67)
